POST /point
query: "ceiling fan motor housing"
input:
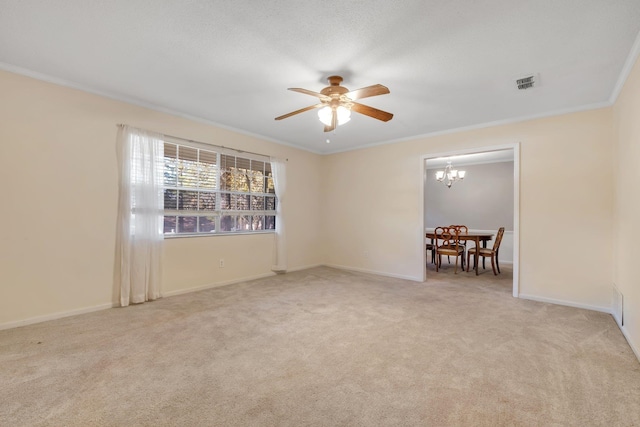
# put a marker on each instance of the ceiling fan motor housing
(334, 88)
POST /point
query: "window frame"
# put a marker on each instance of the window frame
(222, 219)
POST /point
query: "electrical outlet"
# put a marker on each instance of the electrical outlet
(221, 263)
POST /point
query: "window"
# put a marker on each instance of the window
(208, 192)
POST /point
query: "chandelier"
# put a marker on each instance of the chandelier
(449, 175)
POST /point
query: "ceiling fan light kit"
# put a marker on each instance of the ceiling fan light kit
(325, 115)
(337, 103)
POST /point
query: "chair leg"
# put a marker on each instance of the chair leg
(493, 265)
(475, 260)
(455, 269)
(497, 264)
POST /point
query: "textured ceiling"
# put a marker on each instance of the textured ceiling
(448, 64)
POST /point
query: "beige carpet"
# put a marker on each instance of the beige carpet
(325, 347)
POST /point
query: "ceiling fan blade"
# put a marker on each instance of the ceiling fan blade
(302, 110)
(368, 91)
(371, 112)
(312, 93)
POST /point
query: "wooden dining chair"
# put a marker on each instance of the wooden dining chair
(448, 243)
(487, 252)
(432, 247)
(462, 229)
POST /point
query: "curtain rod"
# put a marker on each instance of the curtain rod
(206, 143)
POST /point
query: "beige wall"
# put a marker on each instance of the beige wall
(627, 203)
(373, 198)
(59, 179)
(360, 209)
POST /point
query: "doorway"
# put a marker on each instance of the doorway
(466, 205)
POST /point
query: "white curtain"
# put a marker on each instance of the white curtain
(140, 215)
(278, 168)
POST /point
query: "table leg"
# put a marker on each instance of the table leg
(477, 260)
(484, 245)
(433, 252)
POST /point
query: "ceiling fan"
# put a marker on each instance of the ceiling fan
(337, 102)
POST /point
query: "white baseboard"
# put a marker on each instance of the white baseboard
(233, 281)
(62, 314)
(566, 303)
(59, 315)
(608, 310)
(379, 273)
(634, 347)
(305, 267)
(54, 316)
(217, 284)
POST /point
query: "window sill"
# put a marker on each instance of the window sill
(232, 233)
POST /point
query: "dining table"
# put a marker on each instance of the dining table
(473, 236)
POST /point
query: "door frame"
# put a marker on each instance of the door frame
(516, 202)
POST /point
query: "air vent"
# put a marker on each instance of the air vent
(527, 82)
